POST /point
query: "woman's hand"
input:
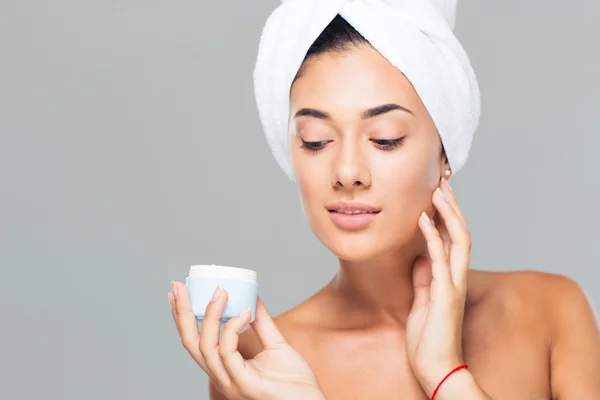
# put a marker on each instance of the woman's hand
(434, 325)
(277, 372)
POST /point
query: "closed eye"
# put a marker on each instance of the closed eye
(388, 144)
(384, 144)
(314, 146)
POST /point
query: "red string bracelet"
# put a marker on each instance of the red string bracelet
(450, 373)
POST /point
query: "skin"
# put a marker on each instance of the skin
(524, 334)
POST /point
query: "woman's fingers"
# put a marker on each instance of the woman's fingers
(458, 234)
(234, 363)
(436, 250)
(186, 322)
(265, 327)
(453, 201)
(217, 354)
(209, 337)
(173, 312)
(438, 222)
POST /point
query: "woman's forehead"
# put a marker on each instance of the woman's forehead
(357, 79)
(361, 68)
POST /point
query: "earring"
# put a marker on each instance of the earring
(448, 172)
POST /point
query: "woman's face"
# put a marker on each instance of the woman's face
(387, 161)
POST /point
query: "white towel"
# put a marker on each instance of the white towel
(415, 36)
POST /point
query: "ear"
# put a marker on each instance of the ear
(444, 165)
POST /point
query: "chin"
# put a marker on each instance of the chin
(356, 246)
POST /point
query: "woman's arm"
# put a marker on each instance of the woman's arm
(575, 342)
(461, 385)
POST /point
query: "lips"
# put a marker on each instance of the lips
(352, 215)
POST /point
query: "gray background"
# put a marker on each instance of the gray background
(130, 149)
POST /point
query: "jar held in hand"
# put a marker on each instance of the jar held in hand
(241, 286)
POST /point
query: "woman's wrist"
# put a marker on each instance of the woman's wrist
(460, 385)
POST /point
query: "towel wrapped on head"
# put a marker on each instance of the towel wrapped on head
(415, 36)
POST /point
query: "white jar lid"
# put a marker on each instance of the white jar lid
(219, 271)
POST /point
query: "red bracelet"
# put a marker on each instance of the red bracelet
(451, 372)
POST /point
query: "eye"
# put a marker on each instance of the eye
(388, 144)
(314, 146)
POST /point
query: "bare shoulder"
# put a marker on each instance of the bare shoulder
(543, 288)
(543, 283)
(530, 293)
(564, 307)
(534, 312)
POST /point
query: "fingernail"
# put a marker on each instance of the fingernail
(169, 296)
(425, 217)
(174, 289)
(245, 312)
(439, 191)
(216, 294)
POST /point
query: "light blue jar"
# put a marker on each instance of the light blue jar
(241, 286)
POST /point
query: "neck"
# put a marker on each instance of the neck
(378, 291)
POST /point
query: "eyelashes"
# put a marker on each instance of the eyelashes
(388, 144)
(313, 147)
(383, 144)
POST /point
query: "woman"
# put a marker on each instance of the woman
(396, 321)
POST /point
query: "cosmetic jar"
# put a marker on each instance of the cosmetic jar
(240, 284)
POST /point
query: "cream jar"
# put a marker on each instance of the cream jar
(241, 286)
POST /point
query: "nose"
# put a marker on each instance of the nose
(350, 170)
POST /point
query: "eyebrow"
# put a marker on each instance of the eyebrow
(369, 113)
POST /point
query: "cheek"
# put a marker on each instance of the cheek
(408, 185)
(410, 178)
(311, 182)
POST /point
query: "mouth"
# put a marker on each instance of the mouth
(353, 212)
(352, 215)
